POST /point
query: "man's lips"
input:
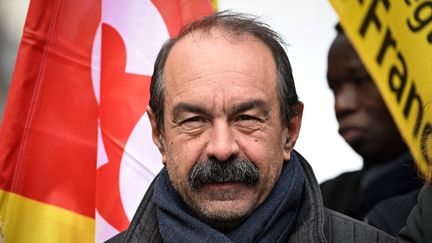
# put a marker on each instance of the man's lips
(224, 185)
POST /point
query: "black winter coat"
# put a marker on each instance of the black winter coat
(356, 193)
(419, 222)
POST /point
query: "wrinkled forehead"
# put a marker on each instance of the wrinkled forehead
(216, 33)
(218, 51)
(217, 39)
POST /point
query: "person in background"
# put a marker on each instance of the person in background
(225, 116)
(367, 126)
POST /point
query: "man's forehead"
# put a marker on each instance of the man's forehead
(213, 38)
(216, 33)
(210, 68)
(198, 50)
(238, 106)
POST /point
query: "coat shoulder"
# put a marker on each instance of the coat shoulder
(341, 228)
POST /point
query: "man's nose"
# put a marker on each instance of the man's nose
(346, 100)
(222, 143)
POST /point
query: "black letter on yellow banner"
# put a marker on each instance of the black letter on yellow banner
(372, 16)
(411, 97)
(403, 76)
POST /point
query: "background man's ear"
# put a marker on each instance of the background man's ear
(294, 126)
(157, 135)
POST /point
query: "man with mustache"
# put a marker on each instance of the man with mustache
(225, 116)
(367, 126)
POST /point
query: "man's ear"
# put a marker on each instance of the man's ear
(157, 135)
(293, 126)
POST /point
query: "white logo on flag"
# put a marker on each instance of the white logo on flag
(143, 32)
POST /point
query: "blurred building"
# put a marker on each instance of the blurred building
(12, 17)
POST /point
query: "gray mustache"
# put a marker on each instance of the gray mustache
(232, 170)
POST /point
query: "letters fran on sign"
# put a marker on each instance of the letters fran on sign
(394, 39)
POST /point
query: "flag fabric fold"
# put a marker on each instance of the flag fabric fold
(75, 148)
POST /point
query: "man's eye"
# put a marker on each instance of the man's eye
(192, 120)
(246, 118)
(249, 119)
(248, 124)
(194, 125)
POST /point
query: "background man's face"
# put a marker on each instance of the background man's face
(364, 121)
(221, 103)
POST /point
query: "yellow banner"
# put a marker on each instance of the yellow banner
(215, 5)
(26, 220)
(394, 40)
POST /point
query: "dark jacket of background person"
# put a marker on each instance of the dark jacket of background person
(419, 224)
(314, 222)
(356, 193)
(390, 215)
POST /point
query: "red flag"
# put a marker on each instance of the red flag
(75, 148)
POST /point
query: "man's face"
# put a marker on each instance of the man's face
(221, 103)
(364, 121)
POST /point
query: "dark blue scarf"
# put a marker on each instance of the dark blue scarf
(273, 221)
